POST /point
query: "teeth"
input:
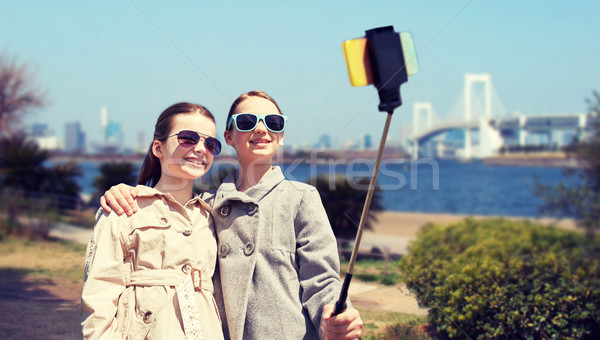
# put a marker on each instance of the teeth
(195, 161)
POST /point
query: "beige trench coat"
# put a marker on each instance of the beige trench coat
(136, 268)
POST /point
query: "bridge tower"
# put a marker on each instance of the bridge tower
(420, 108)
(489, 139)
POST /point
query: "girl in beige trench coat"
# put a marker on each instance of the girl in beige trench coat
(149, 276)
(278, 267)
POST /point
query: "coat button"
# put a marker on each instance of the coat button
(225, 210)
(187, 232)
(252, 210)
(223, 249)
(148, 317)
(249, 248)
(186, 268)
(164, 220)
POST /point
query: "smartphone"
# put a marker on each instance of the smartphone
(359, 64)
(357, 61)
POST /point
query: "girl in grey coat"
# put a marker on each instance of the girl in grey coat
(278, 265)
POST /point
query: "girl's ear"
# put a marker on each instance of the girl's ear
(228, 137)
(157, 149)
(281, 140)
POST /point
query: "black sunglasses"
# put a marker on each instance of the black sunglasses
(189, 139)
(245, 122)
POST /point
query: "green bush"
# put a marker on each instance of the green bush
(391, 279)
(367, 277)
(496, 278)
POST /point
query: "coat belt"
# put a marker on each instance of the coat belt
(162, 277)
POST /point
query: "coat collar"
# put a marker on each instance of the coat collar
(228, 191)
(196, 200)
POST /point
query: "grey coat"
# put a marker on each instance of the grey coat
(277, 259)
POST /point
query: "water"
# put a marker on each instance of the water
(439, 186)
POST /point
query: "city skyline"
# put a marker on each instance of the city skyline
(138, 58)
(109, 139)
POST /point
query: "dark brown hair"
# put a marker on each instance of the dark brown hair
(245, 96)
(151, 171)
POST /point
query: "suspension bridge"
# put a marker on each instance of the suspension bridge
(480, 127)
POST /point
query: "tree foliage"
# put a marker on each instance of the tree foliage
(113, 173)
(24, 168)
(22, 163)
(582, 200)
(18, 94)
(343, 199)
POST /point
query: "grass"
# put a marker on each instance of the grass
(43, 259)
(370, 270)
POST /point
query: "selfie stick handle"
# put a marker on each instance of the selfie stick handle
(340, 305)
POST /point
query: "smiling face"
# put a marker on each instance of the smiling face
(260, 144)
(178, 162)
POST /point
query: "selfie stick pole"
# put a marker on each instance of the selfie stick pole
(382, 54)
(340, 305)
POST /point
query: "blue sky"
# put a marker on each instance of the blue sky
(138, 57)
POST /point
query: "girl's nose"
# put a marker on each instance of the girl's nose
(260, 127)
(200, 147)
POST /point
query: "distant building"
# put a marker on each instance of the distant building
(44, 137)
(365, 141)
(111, 135)
(141, 144)
(325, 141)
(74, 138)
(114, 134)
(48, 142)
(40, 130)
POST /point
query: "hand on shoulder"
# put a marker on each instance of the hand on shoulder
(120, 198)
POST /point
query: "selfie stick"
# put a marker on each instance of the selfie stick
(379, 59)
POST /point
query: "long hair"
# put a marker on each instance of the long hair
(151, 171)
(245, 96)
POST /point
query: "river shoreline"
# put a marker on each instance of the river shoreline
(543, 159)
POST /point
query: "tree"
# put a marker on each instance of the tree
(23, 168)
(21, 163)
(343, 199)
(18, 94)
(31, 188)
(62, 183)
(113, 173)
(582, 200)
